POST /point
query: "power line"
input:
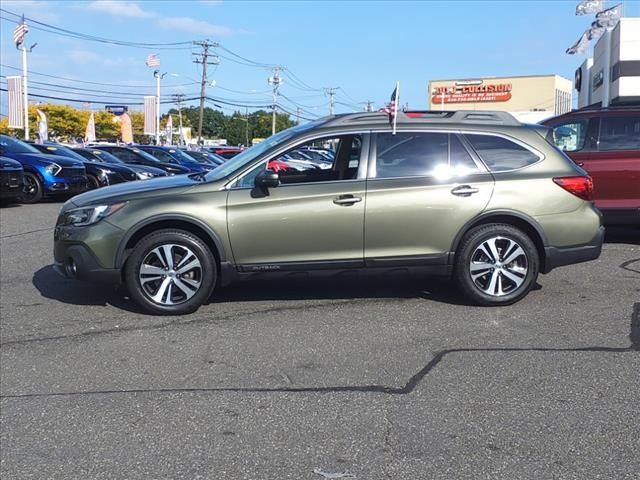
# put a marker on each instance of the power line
(87, 100)
(83, 36)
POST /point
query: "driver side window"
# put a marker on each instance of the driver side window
(339, 160)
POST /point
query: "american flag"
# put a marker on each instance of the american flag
(20, 32)
(153, 60)
(391, 108)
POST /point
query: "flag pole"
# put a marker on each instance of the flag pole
(395, 116)
(25, 94)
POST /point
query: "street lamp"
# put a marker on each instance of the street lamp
(159, 76)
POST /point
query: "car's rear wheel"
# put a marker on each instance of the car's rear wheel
(32, 189)
(497, 264)
(171, 272)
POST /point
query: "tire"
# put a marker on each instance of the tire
(33, 190)
(176, 291)
(486, 280)
(92, 182)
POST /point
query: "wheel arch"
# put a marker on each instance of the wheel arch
(517, 219)
(177, 222)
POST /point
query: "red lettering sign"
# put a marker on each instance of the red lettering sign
(495, 92)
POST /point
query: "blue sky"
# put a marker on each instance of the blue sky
(363, 47)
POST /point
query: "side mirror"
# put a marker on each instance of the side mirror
(263, 182)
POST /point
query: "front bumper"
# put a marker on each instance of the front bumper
(88, 253)
(559, 257)
(66, 185)
(77, 262)
(11, 183)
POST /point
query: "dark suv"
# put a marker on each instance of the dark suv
(606, 143)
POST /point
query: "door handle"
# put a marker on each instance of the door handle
(346, 200)
(464, 190)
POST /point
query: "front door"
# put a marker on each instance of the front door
(423, 188)
(313, 219)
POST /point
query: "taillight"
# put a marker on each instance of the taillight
(579, 186)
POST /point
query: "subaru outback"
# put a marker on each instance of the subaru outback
(476, 196)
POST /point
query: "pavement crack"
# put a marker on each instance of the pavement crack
(27, 233)
(406, 389)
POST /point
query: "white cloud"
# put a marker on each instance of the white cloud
(119, 9)
(196, 27)
(82, 56)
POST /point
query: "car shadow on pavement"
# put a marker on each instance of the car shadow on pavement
(350, 286)
(53, 286)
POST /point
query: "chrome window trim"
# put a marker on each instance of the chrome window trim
(371, 175)
(362, 166)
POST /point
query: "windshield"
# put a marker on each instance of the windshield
(247, 156)
(145, 155)
(106, 157)
(12, 145)
(181, 155)
(62, 152)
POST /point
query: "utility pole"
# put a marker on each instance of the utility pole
(298, 115)
(246, 118)
(275, 82)
(331, 91)
(178, 98)
(369, 107)
(203, 58)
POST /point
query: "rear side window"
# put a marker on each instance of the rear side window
(619, 133)
(500, 154)
(570, 137)
(421, 154)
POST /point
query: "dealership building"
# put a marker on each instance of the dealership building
(612, 75)
(547, 95)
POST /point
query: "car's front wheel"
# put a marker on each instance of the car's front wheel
(496, 264)
(171, 272)
(32, 189)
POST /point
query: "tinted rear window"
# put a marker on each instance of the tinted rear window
(619, 133)
(500, 154)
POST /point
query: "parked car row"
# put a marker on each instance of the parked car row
(33, 171)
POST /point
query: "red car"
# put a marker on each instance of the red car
(606, 143)
(226, 152)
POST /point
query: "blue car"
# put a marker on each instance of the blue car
(44, 175)
(176, 157)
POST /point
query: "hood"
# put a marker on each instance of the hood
(8, 163)
(62, 161)
(115, 167)
(145, 168)
(132, 190)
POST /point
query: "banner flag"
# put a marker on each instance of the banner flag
(43, 126)
(150, 115)
(581, 45)
(90, 132)
(126, 128)
(169, 130)
(609, 17)
(152, 61)
(589, 6)
(16, 100)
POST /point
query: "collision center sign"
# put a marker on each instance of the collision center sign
(471, 91)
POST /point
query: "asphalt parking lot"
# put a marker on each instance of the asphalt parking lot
(378, 377)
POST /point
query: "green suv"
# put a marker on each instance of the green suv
(476, 196)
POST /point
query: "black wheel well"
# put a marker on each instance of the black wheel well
(514, 221)
(177, 224)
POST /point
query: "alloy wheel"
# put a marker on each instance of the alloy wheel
(170, 274)
(498, 266)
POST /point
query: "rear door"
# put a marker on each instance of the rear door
(615, 167)
(423, 187)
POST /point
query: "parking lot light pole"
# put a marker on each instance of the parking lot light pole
(158, 76)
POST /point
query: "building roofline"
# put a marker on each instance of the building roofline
(497, 78)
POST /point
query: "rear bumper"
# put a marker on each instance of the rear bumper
(558, 257)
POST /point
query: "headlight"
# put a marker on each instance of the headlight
(53, 169)
(80, 217)
(144, 175)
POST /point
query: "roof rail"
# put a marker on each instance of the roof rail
(464, 116)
